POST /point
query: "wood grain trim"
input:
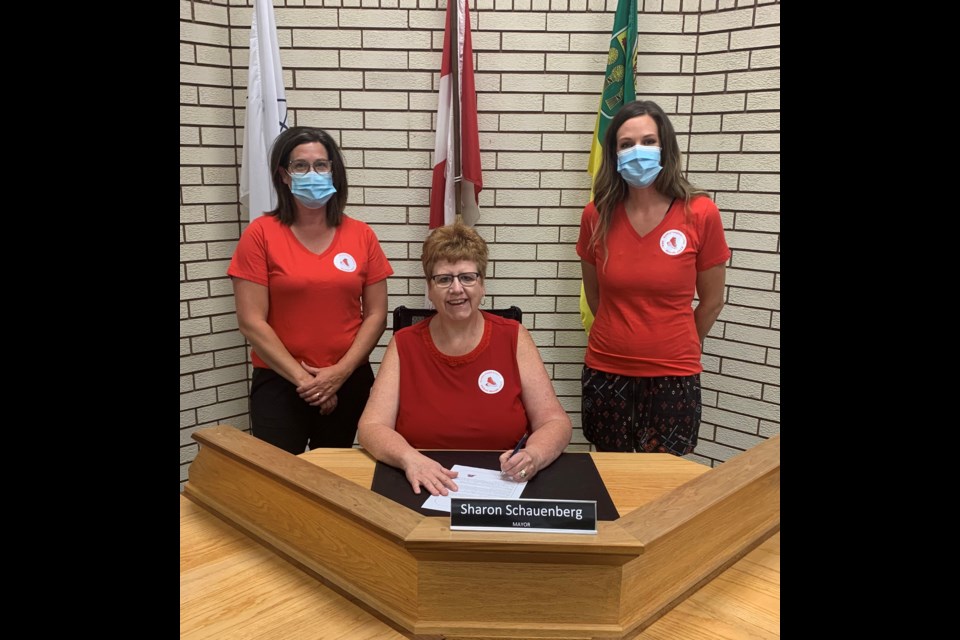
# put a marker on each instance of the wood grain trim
(657, 519)
(323, 487)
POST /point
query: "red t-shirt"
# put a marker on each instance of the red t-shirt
(644, 326)
(461, 402)
(314, 299)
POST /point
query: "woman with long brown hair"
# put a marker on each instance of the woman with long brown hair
(648, 242)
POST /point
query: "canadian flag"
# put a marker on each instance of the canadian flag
(442, 205)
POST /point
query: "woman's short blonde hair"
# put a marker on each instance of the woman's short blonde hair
(454, 243)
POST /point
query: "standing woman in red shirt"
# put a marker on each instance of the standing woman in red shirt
(648, 242)
(311, 290)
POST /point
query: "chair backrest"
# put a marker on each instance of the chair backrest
(404, 317)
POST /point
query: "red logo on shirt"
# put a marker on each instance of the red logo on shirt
(673, 242)
(490, 381)
(345, 262)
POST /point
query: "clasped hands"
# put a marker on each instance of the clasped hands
(320, 390)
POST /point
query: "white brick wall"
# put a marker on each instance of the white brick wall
(367, 71)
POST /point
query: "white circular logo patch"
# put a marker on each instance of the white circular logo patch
(345, 262)
(490, 381)
(673, 242)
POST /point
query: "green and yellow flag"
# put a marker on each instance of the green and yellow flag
(618, 89)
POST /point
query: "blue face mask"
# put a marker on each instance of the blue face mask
(313, 189)
(639, 165)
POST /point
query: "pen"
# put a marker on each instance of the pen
(519, 445)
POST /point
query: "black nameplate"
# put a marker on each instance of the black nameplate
(542, 516)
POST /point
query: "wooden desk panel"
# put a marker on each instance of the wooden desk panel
(232, 587)
(742, 602)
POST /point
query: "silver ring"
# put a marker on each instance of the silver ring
(523, 473)
(317, 396)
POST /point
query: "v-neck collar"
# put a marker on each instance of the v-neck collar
(652, 232)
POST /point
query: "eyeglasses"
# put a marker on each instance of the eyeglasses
(444, 280)
(302, 167)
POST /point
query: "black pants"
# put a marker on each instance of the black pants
(280, 417)
(652, 415)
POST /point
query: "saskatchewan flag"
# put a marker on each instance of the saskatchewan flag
(618, 89)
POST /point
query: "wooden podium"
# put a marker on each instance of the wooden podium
(426, 580)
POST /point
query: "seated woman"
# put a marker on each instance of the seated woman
(462, 379)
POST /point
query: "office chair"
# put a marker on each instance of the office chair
(404, 316)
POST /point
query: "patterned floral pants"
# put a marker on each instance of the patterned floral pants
(652, 415)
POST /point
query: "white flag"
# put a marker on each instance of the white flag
(266, 113)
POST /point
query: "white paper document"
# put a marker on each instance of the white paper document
(477, 483)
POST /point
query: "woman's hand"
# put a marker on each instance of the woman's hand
(324, 384)
(521, 466)
(328, 405)
(427, 473)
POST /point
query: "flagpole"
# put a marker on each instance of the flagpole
(455, 94)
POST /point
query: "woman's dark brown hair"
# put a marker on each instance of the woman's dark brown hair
(283, 146)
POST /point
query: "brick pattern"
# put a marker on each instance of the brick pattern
(367, 71)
